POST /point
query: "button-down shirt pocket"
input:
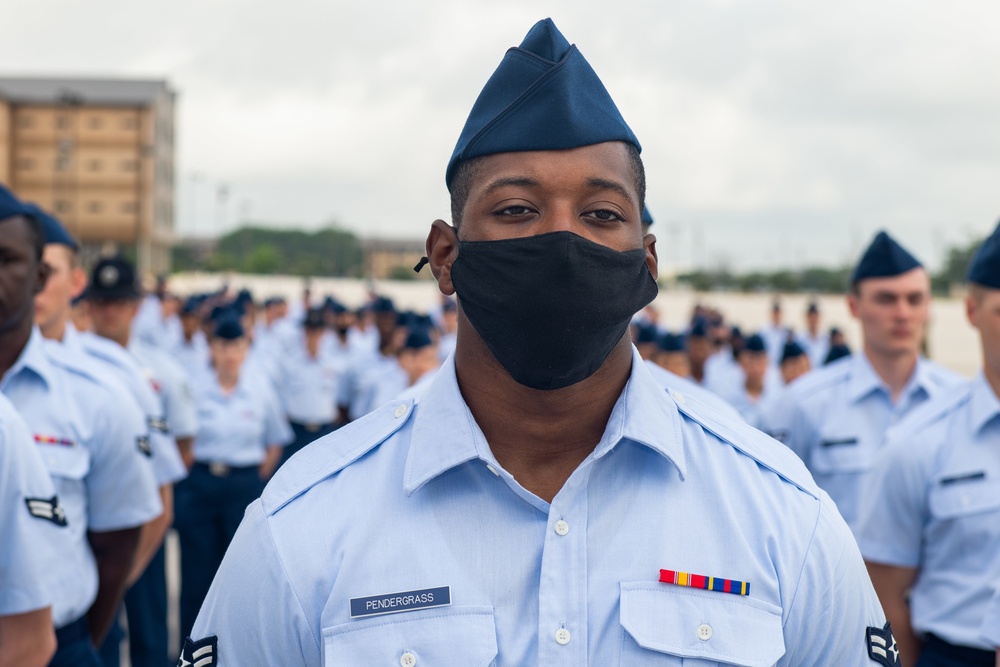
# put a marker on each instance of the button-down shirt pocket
(457, 636)
(671, 625)
(963, 495)
(67, 462)
(842, 455)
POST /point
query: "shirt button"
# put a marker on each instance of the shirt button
(679, 397)
(562, 636)
(704, 632)
(561, 527)
(400, 411)
(407, 660)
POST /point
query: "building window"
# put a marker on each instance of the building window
(62, 206)
(130, 207)
(95, 122)
(94, 207)
(24, 121)
(62, 122)
(130, 165)
(129, 123)
(94, 165)
(26, 164)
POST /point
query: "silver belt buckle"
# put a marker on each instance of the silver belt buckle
(218, 469)
(312, 428)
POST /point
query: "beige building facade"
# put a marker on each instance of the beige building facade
(99, 155)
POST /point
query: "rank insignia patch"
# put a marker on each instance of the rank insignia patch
(882, 646)
(199, 653)
(48, 509)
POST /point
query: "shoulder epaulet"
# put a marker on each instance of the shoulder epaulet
(332, 453)
(76, 367)
(932, 411)
(759, 446)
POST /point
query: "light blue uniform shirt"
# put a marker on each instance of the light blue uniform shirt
(835, 418)
(309, 387)
(33, 531)
(192, 357)
(411, 498)
(103, 480)
(171, 385)
(237, 428)
(934, 504)
(991, 624)
(116, 363)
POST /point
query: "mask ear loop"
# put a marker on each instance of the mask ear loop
(421, 264)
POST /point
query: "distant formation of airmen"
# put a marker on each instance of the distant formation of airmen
(334, 472)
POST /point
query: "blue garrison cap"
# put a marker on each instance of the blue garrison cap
(55, 233)
(315, 318)
(836, 352)
(671, 342)
(755, 343)
(383, 304)
(418, 338)
(191, 306)
(791, 350)
(543, 96)
(884, 258)
(11, 205)
(645, 333)
(229, 328)
(647, 219)
(699, 329)
(985, 267)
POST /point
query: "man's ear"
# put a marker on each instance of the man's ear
(44, 271)
(649, 242)
(442, 249)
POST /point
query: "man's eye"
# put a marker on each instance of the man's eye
(605, 215)
(514, 210)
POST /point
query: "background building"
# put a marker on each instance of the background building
(97, 153)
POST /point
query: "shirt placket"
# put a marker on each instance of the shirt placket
(562, 594)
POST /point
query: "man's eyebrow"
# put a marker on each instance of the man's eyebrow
(605, 184)
(516, 181)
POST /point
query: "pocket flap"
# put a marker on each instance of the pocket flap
(66, 462)
(842, 455)
(693, 623)
(461, 636)
(965, 496)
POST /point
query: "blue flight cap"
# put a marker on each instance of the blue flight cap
(315, 319)
(229, 328)
(836, 352)
(543, 96)
(55, 233)
(735, 332)
(647, 219)
(449, 306)
(191, 305)
(383, 304)
(985, 267)
(884, 258)
(792, 350)
(417, 339)
(813, 308)
(645, 333)
(755, 343)
(671, 342)
(699, 329)
(11, 205)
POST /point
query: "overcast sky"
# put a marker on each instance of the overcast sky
(774, 133)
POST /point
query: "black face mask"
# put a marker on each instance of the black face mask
(550, 307)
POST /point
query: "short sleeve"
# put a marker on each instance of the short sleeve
(893, 508)
(277, 431)
(246, 631)
(32, 539)
(121, 486)
(991, 623)
(834, 603)
(178, 402)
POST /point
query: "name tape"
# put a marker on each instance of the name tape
(393, 603)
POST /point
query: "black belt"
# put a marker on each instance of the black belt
(311, 427)
(72, 632)
(937, 651)
(220, 469)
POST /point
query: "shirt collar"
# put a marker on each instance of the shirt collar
(445, 434)
(984, 406)
(33, 359)
(864, 380)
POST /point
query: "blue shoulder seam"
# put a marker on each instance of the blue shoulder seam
(756, 445)
(332, 453)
